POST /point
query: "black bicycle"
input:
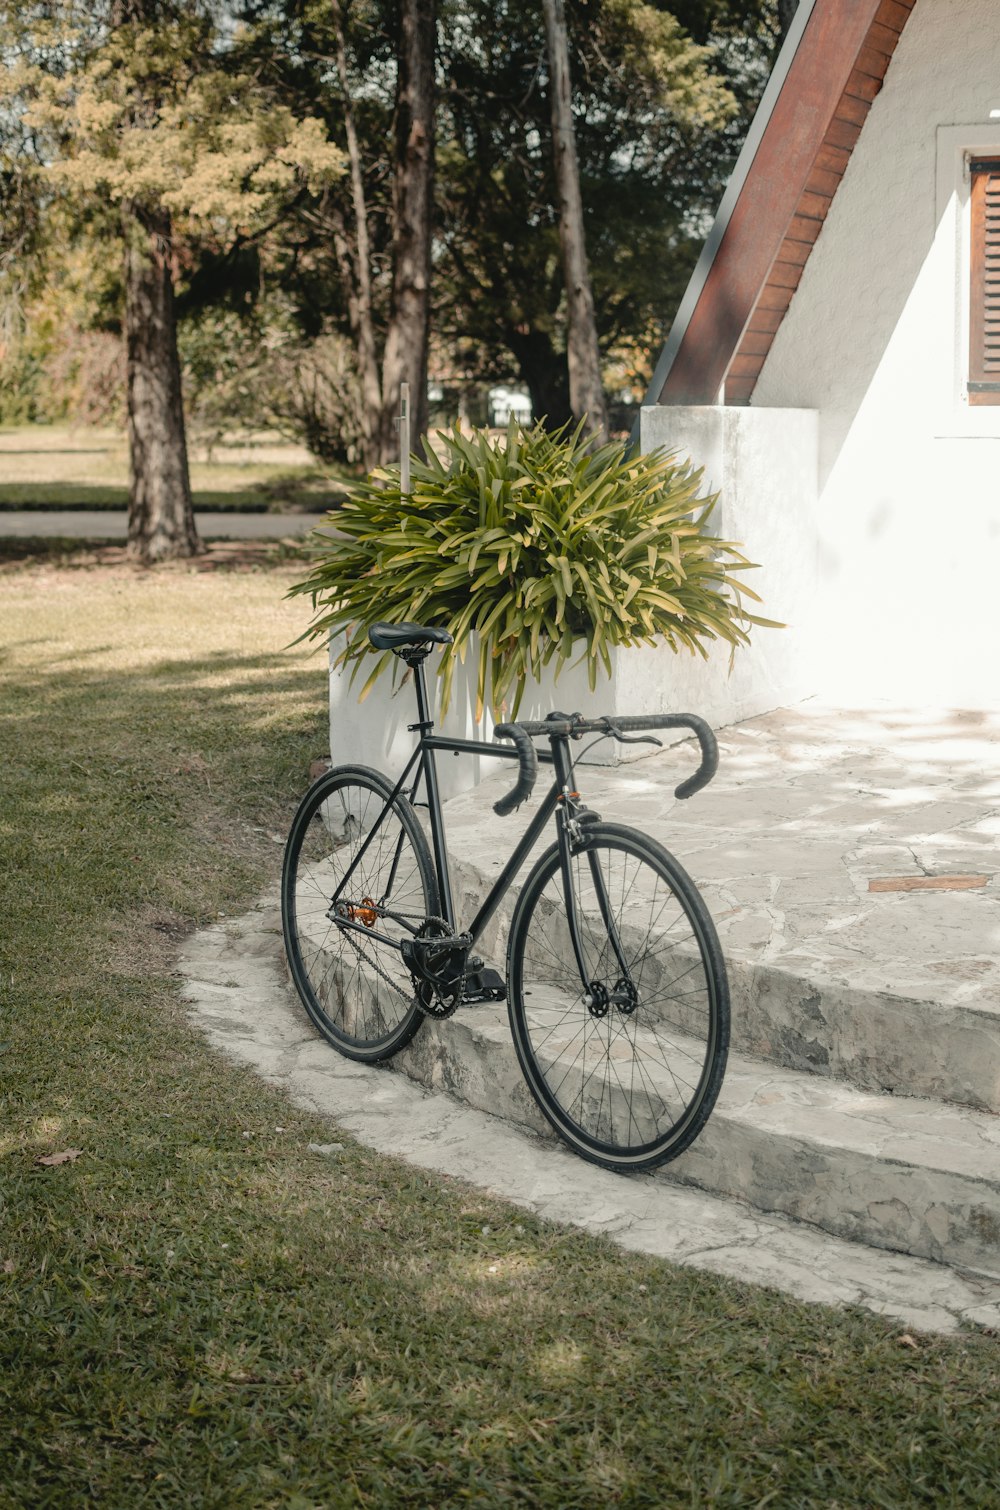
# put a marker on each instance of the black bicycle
(615, 984)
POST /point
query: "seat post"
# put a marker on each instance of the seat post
(414, 657)
(415, 660)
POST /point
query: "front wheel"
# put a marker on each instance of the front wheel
(627, 1062)
(357, 879)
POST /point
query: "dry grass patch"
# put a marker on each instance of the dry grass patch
(81, 467)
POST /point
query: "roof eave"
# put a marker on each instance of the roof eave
(730, 198)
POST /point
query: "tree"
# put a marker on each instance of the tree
(583, 360)
(141, 118)
(356, 260)
(355, 254)
(161, 523)
(786, 14)
(413, 192)
(656, 120)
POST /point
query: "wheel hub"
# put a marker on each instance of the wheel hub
(625, 997)
(366, 913)
(597, 999)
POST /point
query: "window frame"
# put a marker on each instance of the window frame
(957, 147)
(983, 382)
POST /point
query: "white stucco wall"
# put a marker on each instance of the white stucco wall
(763, 466)
(876, 341)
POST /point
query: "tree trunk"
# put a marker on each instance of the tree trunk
(161, 523)
(543, 370)
(359, 257)
(405, 358)
(586, 392)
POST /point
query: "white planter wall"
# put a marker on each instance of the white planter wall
(765, 466)
(374, 732)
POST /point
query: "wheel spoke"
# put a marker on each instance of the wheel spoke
(352, 981)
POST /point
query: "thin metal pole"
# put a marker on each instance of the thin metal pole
(404, 437)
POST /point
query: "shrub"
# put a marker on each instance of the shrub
(254, 370)
(541, 546)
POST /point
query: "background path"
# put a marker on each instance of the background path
(112, 524)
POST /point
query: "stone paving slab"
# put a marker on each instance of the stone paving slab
(895, 991)
(237, 990)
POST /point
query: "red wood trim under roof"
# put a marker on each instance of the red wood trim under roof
(835, 74)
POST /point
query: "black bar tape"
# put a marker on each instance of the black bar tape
(643, 721)
(709, 759)
(527, 768)
(698, 726)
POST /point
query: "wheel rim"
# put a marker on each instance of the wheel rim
(623, 1065)
(351, 980)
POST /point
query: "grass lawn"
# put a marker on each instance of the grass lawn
(195, 1310)
(59, 467)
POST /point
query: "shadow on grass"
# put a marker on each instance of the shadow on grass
(68, 552)
(146, 788)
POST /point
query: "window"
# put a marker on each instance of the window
(984, 284)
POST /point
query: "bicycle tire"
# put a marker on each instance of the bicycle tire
(346, 995)
(631, 1083)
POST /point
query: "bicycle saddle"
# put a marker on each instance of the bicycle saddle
(392, 636)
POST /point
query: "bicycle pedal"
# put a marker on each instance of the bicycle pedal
(482, 985)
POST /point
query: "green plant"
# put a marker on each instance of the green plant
(540, 546)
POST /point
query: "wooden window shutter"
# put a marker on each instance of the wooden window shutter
(984, 301)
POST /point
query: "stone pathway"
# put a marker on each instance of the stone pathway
(813, 810)
(846, 990)
(239, 995)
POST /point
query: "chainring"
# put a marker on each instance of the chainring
(438, 975)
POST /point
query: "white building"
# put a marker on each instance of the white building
(835, 362)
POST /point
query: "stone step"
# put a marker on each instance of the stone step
(877, 1038)
(798, 1012)
(907, 1174)
(235, 983)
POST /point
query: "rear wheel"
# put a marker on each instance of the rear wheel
(342, 944)
(627, 1063)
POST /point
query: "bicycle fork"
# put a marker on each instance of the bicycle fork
(573, 822)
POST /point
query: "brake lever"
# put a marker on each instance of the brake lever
(633, 739)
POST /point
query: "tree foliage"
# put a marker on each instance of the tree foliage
(161, 111)
(267, 132)
(651, 119)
